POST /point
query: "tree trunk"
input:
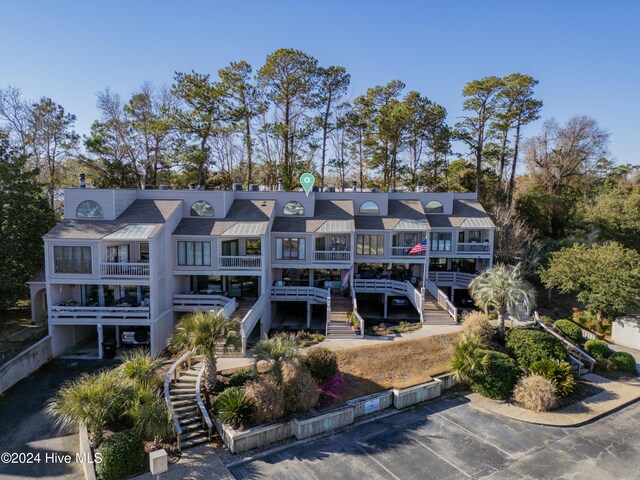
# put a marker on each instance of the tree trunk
(512, 179)
(501, 324)
(325, 127)
(210, 371)
(249, 150)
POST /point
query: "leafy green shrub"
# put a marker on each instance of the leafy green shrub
(150, 416)
(536, 393)
(322, 363)
(476, 324)
(242, 376)
(568, 330)
(560, 373)
(122, 456)
(267, 397)
(498, 376)
(301, 391)
(233, 407)
(598, 349)
(622, 362)
(468, 358)
(528, 345)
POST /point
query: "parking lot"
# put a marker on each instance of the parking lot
(451, 439)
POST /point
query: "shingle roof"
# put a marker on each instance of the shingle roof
(402, 215)
(245, 217)
(329, 216)
(148, 212)
(466, 214)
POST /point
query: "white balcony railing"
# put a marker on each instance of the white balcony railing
(458, 279)
(187, 302)
(94, 313)
(473, 248)
(343, 256)
(124, 269)
(238, 262)
(299, 293)
(404, 252)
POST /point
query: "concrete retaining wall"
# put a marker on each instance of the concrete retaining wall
(626, 332)
(243, 440)
(25, 363)
(371, 403)
(448, 381)
(308, 427)
(85, 451)
(420, 393)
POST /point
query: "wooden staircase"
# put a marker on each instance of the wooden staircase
(243, 308)
(339, 327)
(433, 312)
(183, 398)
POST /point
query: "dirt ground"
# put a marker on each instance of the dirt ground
(399, 364)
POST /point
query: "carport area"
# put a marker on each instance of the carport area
(292, 317)
(93, 342)
(451, 439)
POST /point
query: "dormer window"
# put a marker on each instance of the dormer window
(293, 208)
(434, 207)
(369, 208)
(89, 209)
(201, 208)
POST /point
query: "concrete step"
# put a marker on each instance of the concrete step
(186, 410)
(182, 396)
(194, 442)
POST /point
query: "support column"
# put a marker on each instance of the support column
(308, 315)
(118, 336)
(100, 340)
(386, 302)
(453, 292)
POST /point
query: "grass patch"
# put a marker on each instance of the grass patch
(398, 364)
(15, 318)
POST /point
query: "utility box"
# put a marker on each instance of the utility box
(158, 462)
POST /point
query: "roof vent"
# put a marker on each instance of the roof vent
(374, 190)
(165, 187)
(254, 187)
(280, 185)
(354, 186)
(237, 187)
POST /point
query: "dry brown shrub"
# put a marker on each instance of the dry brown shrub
(264, 366)
(476, 324)
(536, 393)
(300, 389)
(267, 397)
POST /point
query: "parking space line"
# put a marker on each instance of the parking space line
(376, 461)
(473, 434)
(438, 455)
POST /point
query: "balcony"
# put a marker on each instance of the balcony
(121, 270)
(332, 256)
(290, 293)
(404, 252)
(473, 248)
(191, 302)
(63, 313)
(240, 263)
(457, 279)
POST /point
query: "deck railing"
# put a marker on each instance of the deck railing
(404, 252)
(354, 302)
(458, 279)
(474, 248)
(240, 262)
(187, 302)
(379, 285)
(581, 354)
(342, 256)
(124, 269)
(251, 318)
(172, 376)
(416, 299)
(299, 293)
(442, 299)
(207, 424)
(91, 313)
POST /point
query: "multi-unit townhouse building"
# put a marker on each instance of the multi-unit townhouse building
(136, 260)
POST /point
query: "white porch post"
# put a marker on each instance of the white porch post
(100, 340)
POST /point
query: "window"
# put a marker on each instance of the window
(72, 259)
(293, 208)
(370, 245)
(206, 283)
(194, 253)
(410, 239)
(339, 243)
(441, 241)
(144, 252)
(295, 277)
(89, 209)
(369, 208)
(253, 246)
(201, 208)
(474, 236)
(230, 248)
(118, 254)
(434, 207)
(290, 248)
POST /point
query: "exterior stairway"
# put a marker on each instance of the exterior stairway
(339, 327)
(243, 308)
(433, 312)
(183, 398)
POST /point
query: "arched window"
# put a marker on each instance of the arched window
(434, 207)
(369, 207)
(293, 208)
(89, 209)
(201, 208)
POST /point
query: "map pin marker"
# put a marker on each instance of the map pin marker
(307, 180)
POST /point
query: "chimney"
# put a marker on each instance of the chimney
(280, 185)
(82, 180)
(354, 186)
(237, 187)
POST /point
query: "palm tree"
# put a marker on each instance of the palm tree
(140, 367)
(279, 349)
(202, 332)
(503, 288)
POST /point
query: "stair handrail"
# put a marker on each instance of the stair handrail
(204, 415)
(442, 299)
(354, 303)
(328, 309)
(170, 377)
(256, 311)
(415, 297)
(581, 353)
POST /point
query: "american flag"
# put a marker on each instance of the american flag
(345, 279)
(419, 248)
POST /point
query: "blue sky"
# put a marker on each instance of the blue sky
(584, 53)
